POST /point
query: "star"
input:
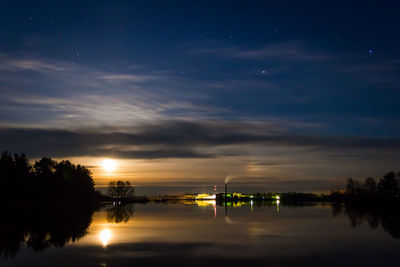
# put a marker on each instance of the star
(371, 51)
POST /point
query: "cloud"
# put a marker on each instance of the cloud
(39, 91)
(183, 139)
(127, 78)
(13, 64)
(376, 71)
(289, 50)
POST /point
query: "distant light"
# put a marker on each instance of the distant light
(277, 197)
(105, 237)
(371, 51)
(251, 196)
(109, 165)
(206, 196)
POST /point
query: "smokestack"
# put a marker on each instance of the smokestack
(226, 199)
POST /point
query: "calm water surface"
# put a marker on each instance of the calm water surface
(206, 234)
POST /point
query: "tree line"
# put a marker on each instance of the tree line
(388, 187)
(48, 181)
(45, 181)
(50, 203)
(47, 203)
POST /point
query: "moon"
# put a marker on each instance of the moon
(109, 165)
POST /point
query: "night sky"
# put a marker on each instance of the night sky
(280, 95)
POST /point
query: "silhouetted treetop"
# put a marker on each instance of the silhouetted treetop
(388, 187)
(389, 184)
(370, 186)
(120, 190)
(47, 180)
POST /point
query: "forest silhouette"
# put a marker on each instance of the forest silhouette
(46, 182)
(47, 204)
(387, 189)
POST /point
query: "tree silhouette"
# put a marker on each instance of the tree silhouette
(370, 186)
(47, 204)
(120, 190)
(353, 187)
(387, 188)
(389, 184)
(46, 180)
(45, 167)
(15, 175)
(119, 213)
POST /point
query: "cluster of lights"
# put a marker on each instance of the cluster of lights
(205, 196)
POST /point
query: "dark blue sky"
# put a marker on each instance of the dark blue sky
(299, 70)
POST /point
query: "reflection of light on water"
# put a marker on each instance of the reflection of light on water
(228, 220)
(251, 205)
(277, 205)
(205, 203)
(206, 196)
(105, 237)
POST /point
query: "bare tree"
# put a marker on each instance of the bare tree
(120, 190)
(370, 186)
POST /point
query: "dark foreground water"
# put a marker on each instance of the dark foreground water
(203, 234)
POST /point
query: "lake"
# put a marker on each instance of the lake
(202, 233)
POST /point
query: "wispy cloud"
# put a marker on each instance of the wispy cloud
(58, 93)
(118, 78)
(289, 50)
(375, 71)
(10, 63)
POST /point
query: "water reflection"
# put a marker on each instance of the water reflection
(119, 213)
(207, 203)
(105, 236)
(198, 232)
(203, 203)
(41, 228)
(386, 216)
